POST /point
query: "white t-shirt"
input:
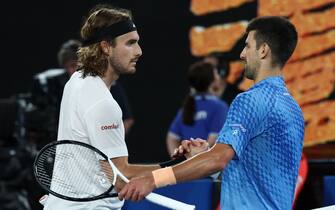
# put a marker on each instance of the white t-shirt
(90, 114)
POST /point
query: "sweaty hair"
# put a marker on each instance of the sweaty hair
(92, 61)
(278, 33)
(200, 76)
(68, 51)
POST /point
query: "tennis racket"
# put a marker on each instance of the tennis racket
(76, 171)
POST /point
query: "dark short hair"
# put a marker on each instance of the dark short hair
(278, 33)
(68, 51)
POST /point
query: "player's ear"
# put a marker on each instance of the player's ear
(264, 50)
(105, 47)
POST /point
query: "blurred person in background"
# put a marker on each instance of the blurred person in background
(41, 122)
(203, 113)
(222, 88)
(48, 85)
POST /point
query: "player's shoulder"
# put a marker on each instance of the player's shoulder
(90, 85)
(246, 96)
(90, 89)
(254, 97)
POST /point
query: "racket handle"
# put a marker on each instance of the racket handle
(168, 202)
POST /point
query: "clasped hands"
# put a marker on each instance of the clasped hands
(141, 186)
(190, 148)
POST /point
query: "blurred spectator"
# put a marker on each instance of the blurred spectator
(203, 114)
(222, 88)
(48, 85)
(47, 92)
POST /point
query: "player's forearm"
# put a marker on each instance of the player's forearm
(204, 164)
(133, 170)
(197, 167)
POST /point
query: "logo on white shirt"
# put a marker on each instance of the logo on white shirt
(109, 127)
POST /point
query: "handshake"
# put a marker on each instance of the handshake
(190, 148)
(141, 186)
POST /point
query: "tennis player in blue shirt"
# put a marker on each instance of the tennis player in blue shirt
(259, 147)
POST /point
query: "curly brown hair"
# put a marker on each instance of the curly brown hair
(91, 59)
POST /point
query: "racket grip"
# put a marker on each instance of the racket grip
(168, 202)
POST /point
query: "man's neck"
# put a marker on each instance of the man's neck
(268, 71)
(109, 77)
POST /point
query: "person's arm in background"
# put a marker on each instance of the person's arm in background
(212, 139)
(174, 136)
(172, 143)
(128, 123)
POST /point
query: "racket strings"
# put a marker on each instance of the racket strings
(107, 169)
(46, 177)
(74, 171)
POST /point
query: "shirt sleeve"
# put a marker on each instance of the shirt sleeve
(105, 128)
(175, 127)
(242, 122)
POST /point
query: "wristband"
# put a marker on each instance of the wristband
(164, 176)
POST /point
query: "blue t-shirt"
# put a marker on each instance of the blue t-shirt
(265, 127)
(210, 116)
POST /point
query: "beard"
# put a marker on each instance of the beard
(250, 71)
(118, 67)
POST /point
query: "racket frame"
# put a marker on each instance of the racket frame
(53, 144)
